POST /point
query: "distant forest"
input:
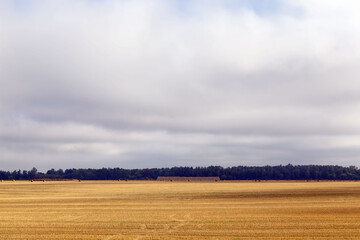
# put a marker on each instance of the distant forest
(281, 172)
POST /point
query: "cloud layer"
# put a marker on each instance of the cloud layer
(164, 83)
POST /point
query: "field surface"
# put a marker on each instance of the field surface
(111, 210)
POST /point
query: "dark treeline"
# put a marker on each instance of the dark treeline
(287, 172)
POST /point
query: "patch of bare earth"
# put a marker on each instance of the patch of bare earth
(107, 210)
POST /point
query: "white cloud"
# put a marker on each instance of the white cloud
(142, 83)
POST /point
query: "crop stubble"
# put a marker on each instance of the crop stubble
(110, 210)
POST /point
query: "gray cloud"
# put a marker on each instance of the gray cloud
(164, 83)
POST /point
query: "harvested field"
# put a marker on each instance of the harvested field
(111, 210)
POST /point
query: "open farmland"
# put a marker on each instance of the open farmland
(111, 210)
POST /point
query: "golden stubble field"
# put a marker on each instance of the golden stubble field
(111, 210)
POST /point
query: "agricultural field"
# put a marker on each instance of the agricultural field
(110, 210)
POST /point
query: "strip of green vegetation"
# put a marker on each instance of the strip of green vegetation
(287, 172)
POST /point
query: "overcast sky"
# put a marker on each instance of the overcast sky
(161, 83)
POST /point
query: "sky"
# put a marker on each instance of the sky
(162, 83)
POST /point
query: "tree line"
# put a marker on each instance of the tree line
(281, 172)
